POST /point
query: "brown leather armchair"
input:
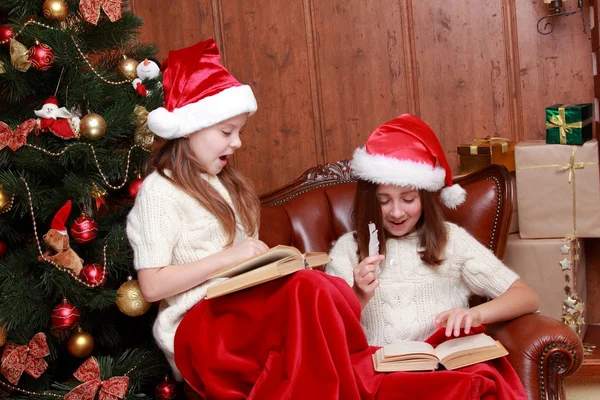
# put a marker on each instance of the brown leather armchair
(315, 209)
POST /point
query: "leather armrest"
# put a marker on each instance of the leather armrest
(542, 350)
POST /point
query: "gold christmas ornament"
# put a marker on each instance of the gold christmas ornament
(2, 68)
(19, 56)
(80, 344)
(55, 10)
(5, 199)
(92, 126)
(3, 335)
(127, 68)
(142, 135)
(130, 301)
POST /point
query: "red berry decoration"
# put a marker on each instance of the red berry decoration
(165, 390)
(41, 56)
(3, 249)
(65, 316)
(134, 187)
(94, 274)
(84, 229)
(6, 33)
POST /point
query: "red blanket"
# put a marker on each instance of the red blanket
(300, 338)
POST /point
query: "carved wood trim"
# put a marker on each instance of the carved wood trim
(558, 361)
(320, 176)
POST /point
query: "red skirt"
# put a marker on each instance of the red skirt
(300, 337)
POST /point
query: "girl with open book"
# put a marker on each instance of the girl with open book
(421, 275)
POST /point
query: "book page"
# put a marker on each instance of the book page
(474, 342)
(406, 348)
(272, 255)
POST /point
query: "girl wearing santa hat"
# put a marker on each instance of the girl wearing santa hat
(426, 268)
(195, 215)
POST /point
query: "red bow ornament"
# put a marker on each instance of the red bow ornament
(15, 139)
(26, 358)
(89, 373)
(90, 9)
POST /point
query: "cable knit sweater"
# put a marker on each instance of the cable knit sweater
(411, 293)
(167, 226)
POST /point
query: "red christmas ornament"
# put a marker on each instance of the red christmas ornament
(6, 33)
(134, 187)
(166, 389)
(41, 56)
(94, 274)
(3, 249)
(65, 316)
(84, 229)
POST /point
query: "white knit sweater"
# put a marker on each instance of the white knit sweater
(411, 293)
(167, 226)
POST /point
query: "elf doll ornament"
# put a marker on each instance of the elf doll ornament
(57, 239)
(59, 121)
(147, 69)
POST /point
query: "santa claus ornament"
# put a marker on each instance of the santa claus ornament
(57, 120)
(147, 69)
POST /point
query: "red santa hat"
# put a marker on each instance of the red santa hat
(51, 100)
(406, 152)
(59, 222)
(198, 92)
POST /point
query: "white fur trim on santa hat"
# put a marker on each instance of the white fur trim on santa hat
(453, 196)
(207, 112)
(387, 170)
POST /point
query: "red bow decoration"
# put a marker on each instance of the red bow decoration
(15, 139)
(26, 358)
(90, 9)
(89, 373)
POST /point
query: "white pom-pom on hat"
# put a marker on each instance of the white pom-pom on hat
(164, 123)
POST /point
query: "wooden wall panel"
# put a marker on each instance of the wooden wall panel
(462, 64)
(177, 24)
(266, 47)
(361, 71)
(327, 72)
(556, 68)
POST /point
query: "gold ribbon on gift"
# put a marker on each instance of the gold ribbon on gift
(491, 140)
(571, 167)
(560, 122)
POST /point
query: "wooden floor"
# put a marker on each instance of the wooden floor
(591, 363)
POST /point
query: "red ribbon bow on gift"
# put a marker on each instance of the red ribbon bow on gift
(26, 358)
(15, 139)
(90, 9)
(89, 373)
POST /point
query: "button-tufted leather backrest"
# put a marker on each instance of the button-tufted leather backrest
(314, 210)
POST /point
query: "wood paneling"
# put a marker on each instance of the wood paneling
(327, 72)
(267, 48)
(462, 64)
(361, 70)
(555, 68)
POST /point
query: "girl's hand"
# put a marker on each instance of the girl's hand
(365, 280)
(457, 318)
(246, 249)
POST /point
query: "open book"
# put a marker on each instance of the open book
(452, 354)
(266, 266)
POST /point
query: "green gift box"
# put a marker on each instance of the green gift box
(569, 123)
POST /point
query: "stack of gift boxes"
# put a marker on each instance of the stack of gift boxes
(557, 204)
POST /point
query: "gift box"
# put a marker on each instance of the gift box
(483, 152)
(555, 270)
(514, 219)
(569, 123)
(559, 190)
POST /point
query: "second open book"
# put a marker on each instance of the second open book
(269, 265)
(452, 354)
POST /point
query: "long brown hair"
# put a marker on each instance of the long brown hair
(431, 231)
(177, 157)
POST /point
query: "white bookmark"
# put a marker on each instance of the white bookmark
(374, 244)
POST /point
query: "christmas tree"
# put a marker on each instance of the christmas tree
(75, 87)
